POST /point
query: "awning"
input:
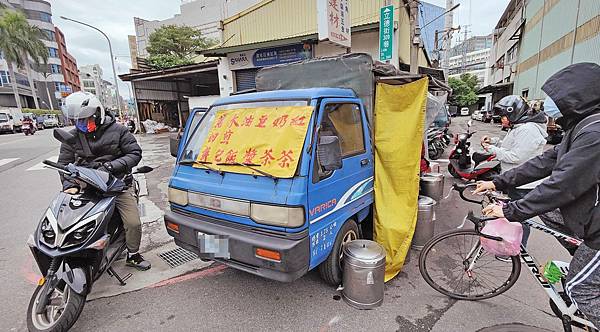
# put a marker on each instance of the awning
(170, 72)
(494, 88)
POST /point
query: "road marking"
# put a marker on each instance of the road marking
(209, 272)
(7, 160)
(41, 166)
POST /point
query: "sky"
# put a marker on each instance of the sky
(115, 18)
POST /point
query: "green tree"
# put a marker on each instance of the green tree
(172, 45)
(20, 41)
(463, 90)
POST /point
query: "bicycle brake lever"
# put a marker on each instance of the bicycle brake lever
(463, 222)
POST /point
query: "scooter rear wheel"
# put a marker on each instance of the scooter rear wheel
(62, 311)
(453, 172)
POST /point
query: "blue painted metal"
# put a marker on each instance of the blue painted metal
(313, 93)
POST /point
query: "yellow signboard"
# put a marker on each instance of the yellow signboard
(268, 139)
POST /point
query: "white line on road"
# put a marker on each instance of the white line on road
(41, 166)
(7, 160)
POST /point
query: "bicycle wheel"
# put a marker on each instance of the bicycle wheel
(444, 264)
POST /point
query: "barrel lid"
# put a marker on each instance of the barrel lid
(424, 201)
(364, 250)
(432, 177)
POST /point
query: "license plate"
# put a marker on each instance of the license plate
(213, 246)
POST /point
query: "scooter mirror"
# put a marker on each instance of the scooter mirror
(64, 136)
(470, 123)
(143, 169)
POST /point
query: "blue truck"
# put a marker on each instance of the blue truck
(278, 228)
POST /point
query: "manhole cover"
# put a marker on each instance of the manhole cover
(177, 257)
(513, 327)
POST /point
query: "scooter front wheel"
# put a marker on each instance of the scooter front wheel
(63, 308)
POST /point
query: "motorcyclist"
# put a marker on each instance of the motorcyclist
(28, 121)
(108, 146)
(573, 184)
(525, 139)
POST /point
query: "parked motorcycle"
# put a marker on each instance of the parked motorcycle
(481, 167)
(77, 240)
(437, 141)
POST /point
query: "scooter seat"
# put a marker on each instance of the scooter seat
(479, 157)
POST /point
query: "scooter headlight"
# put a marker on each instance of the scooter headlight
(82, 232)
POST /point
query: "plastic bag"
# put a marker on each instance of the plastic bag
(511, 234)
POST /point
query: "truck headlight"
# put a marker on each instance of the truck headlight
(277, 215)
(178, 196)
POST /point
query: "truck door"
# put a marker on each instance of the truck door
(335, 196)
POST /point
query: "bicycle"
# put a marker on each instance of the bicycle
(477, 269)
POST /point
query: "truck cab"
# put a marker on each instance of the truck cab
(278, 228)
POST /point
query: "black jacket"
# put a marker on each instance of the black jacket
(573, 166)
(111, 142)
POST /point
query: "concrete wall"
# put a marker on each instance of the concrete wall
(502, 44)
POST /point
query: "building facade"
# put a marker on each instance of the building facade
(471, 56)
(50, 82)
(547, 47)
(91, 80)
(68, 63)
(429, 17)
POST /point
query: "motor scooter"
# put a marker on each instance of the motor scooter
(76, 241)
(28, 128)
(482, 166)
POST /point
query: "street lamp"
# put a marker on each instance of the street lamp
(112, 58)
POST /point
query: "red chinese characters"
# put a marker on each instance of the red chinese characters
(230, 157)
(262, 121)
(220, 121)
(249, 156)
(267, 157)
(212, 137)
(227, 137)
(280, 121)
(248, 121)
(298, 121)
(219, 155)
(234, 122)
(204, 154)
(286, 158)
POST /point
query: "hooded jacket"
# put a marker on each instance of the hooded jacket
(573, 167)
(110, 142)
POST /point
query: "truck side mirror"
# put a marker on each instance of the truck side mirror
(329, 152)
(174, 140)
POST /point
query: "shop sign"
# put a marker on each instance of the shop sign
(333, 21)
(269, 56)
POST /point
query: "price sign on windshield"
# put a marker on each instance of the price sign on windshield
(268, 139)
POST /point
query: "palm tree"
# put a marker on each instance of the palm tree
(18, 42)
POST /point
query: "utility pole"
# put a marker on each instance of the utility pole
(465, 49)
(447, 36)
(415, 37)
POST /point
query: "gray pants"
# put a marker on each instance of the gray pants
(583, 282)
(126, 204)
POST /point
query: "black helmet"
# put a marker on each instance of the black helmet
(514, 107)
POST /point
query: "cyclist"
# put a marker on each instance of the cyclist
(525, 139)
(573, 184)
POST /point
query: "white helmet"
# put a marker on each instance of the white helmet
(81, 105)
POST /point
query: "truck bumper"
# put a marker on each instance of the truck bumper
(243, 241)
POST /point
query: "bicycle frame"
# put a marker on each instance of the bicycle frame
(533, 266)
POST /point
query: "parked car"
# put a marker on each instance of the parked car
(477, 115)
(7, 124)
(50, 121)
(464, 111)
(487, 116)
(39, 122)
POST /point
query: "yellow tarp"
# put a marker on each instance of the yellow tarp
(399, 121)
(269, 139)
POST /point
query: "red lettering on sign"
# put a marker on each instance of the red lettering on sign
(219, 155)
(334, 19)
(298, 121)
(204, 154)
(267, 157)
(280, 121)
(262, 121)
(234, 122)
(230, 157)
(248, 121)
(212, 137)
(220, 121)
(226, 137)
(249, 156)
(286, 158)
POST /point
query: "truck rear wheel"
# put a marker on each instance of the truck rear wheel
(331, 269)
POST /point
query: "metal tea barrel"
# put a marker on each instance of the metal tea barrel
(425, 222)
(364, 272)
(432, 185)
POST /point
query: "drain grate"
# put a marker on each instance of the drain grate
(178, 256)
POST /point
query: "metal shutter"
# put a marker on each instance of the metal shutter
(245, 79)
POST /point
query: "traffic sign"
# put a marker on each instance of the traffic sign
(386, 32)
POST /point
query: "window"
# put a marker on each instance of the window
(57, 86)
(89, 84)
(345, 122)
(4, 77)
(55, 69)
(49, 35)
(525, 93)
(52, 52)
(45, 17)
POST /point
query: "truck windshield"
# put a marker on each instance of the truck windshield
(3, 117)
(198, 134)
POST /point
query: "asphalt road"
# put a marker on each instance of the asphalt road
(223, 298)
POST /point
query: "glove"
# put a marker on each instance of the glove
(106, 167)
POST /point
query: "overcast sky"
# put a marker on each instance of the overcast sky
(115, 18)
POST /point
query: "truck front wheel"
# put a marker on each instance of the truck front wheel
(331, 269)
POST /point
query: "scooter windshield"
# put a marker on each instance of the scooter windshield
(97, 179)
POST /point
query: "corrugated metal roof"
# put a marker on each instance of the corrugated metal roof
(290, 18)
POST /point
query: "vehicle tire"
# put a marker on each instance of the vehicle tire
(435, 154)
(331, 269)
(453, 172)
(443, 260)
(73, 305)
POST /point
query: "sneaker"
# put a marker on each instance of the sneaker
(137, 261)
(505, 259)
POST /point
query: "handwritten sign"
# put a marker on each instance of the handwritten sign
(269, 139)
(333, 21)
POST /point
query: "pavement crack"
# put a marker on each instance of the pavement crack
(425, 323)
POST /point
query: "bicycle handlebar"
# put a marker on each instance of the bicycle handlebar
(461, 188)
(479, 222)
